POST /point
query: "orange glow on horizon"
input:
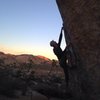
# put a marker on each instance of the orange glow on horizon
(17, 51)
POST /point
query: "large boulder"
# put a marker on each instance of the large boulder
(82, 20)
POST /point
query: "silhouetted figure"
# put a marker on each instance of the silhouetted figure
(62, 56)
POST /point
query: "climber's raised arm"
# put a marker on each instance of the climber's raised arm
(60, 38)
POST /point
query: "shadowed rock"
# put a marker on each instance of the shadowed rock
(82, 21)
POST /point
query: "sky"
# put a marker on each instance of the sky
(28, 26)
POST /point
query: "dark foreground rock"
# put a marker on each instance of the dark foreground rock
(81, 20)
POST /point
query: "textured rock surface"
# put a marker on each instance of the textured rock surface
(82, 20)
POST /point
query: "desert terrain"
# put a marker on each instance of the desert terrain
(29, 77)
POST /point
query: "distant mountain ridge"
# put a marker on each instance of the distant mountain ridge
(23, 58)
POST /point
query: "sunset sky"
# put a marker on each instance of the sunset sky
(27, 26)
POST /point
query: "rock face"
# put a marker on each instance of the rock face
(82, 20)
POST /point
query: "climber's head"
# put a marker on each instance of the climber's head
(53, 43)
